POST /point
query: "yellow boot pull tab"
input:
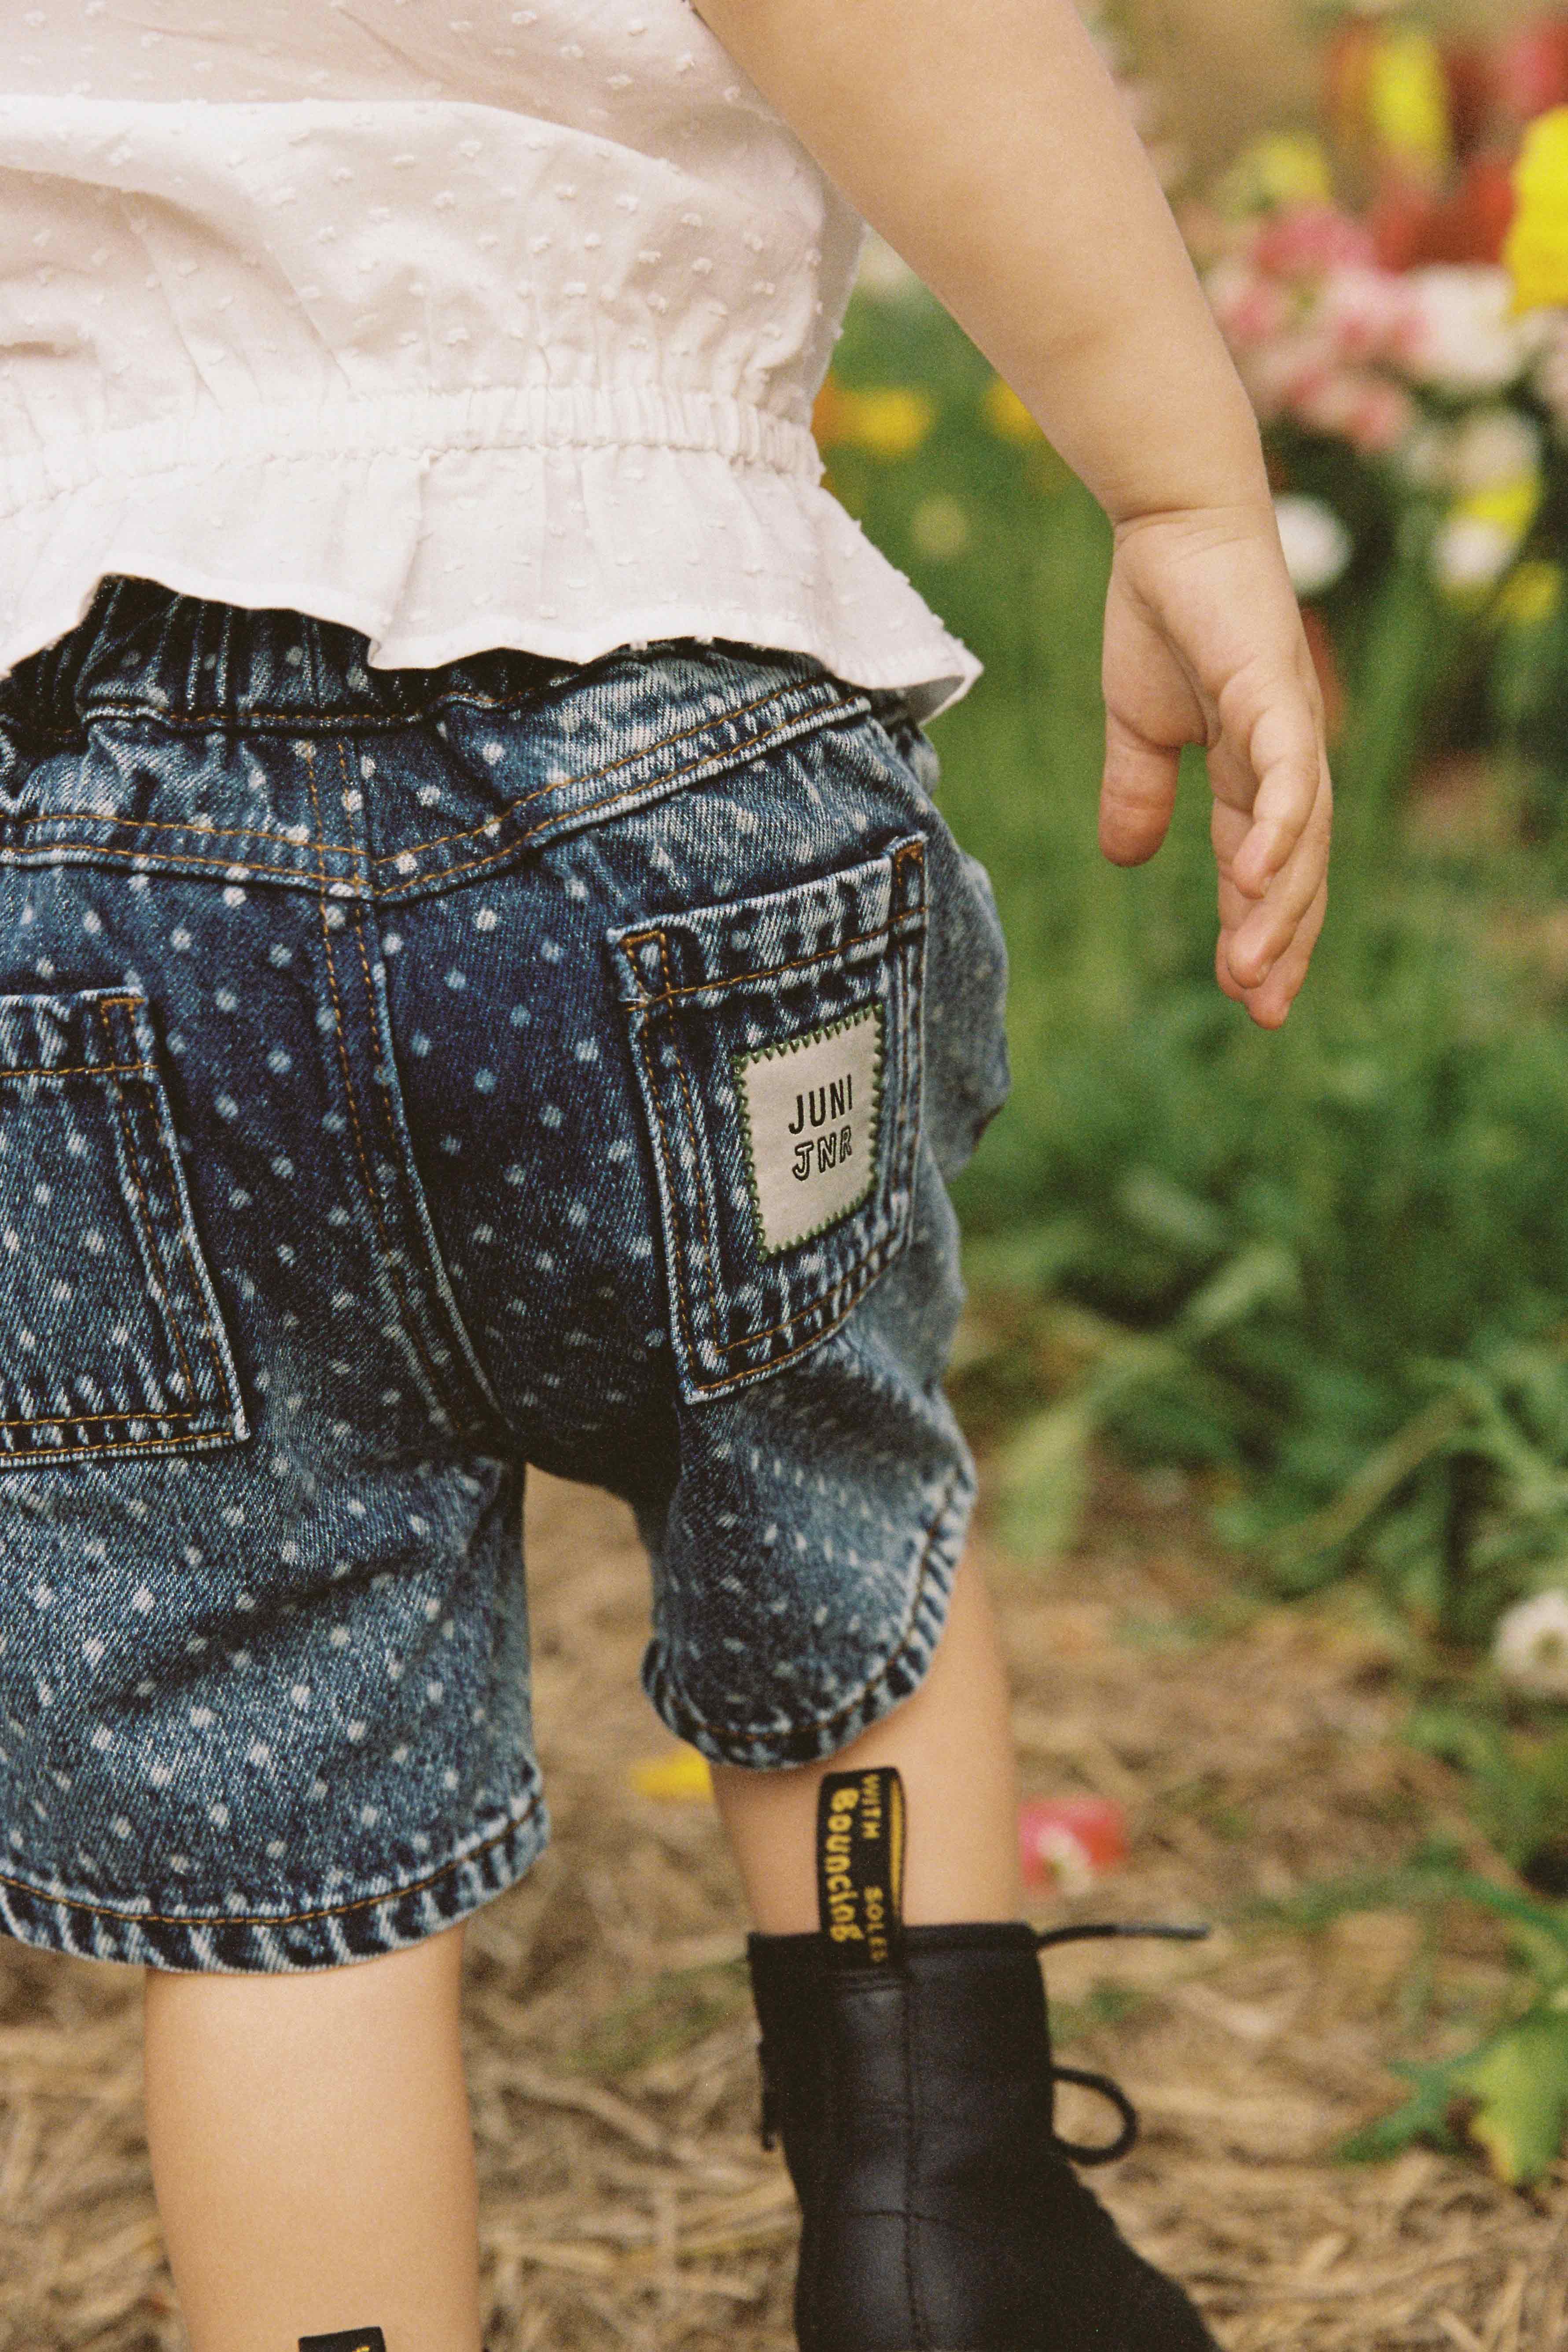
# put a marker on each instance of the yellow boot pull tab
(347, 2339)
(860, 1866)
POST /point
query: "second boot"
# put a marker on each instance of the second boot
(909, 2073)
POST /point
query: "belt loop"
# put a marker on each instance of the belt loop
(908, 891)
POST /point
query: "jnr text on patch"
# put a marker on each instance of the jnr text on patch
(811, 1108)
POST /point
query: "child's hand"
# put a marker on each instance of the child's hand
(989, 145)
(1203, 644)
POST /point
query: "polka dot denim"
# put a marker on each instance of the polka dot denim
(406, 1076)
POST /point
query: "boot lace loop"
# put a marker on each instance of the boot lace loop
(1106, 2152)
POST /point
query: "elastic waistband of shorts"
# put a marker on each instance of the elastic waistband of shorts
(144, 650)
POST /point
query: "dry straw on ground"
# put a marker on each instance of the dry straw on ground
(625, 2200)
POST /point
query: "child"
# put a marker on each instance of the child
(482, 980)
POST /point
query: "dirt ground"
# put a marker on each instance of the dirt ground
(625, 2198)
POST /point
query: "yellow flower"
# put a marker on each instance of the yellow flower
(1481, 533)
(681, 1776)
(891, 422)
(1510, 505)
(894, 423)
(1286, 167)
(1532, 592)
(1536, 253)
(1407, 99)
(1006, 415)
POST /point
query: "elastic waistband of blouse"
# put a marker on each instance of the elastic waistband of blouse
(409, 431)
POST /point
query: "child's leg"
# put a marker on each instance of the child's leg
(312, 2153)
(951, 1742)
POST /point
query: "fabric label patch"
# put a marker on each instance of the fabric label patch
(347, 2339)
(860, 1866)
(811, 1108)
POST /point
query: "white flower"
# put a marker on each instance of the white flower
(1067, 1860)
(1462, 337)
(1530, 1648)
(1316, 543)
(1471, 552)
(1491, 447)
(1423, 457)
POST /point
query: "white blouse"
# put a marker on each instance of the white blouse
(462, 323)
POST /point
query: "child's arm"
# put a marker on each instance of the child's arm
(986, 141)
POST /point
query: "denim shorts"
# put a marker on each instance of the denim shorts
(406, 1076)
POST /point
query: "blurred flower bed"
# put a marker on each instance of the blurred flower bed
(1393, 288)
(1321, 1276)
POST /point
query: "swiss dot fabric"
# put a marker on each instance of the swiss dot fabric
(373, 1124)
(491, 327)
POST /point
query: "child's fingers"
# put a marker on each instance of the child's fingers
(1137, 793)
(1271, 1000)
(1281, 776)
(1259, 929)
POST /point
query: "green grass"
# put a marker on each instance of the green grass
(663, 2020)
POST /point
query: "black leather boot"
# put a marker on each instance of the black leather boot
(939, 2209)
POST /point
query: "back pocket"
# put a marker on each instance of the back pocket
(110, 1337)
(777, 1046)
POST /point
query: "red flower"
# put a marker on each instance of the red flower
(1530, 71)
(1347, 75)
(1072, 1839)
(1411, 227)
(1470, 73)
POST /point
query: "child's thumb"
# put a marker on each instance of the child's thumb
(1137, 793)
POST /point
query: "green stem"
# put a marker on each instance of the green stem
(1400, 665)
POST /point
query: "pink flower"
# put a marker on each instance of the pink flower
(1073, 1840)
(1250, 309)
(1381, 418)
(1367, 312)
(1280, 374)
(1368, 410)
(1311, 239)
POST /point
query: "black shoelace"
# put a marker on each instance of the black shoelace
(1102, 2085)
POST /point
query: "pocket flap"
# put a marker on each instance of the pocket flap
(778, 1053)
(781, 940)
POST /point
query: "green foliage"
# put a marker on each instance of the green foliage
(1510, 2095)
(663, 2020)
(1507, 2095)
(1105, 2003)
(1517, 1779)
(1327, 1265)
